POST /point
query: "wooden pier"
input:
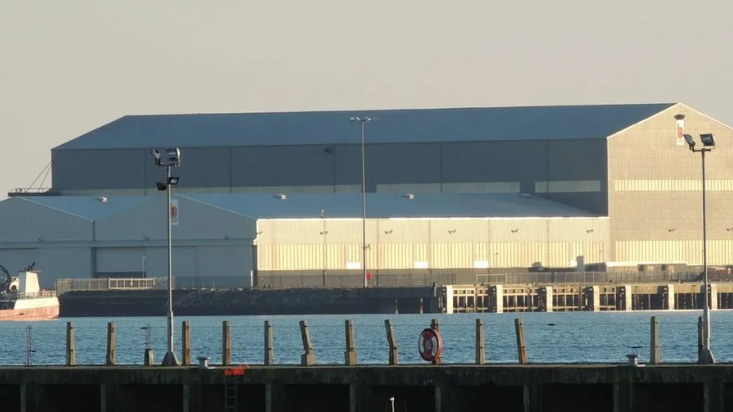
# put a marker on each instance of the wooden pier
(575, 297)
(312, 387)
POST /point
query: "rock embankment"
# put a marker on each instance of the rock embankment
(269, 301)
(236, 302)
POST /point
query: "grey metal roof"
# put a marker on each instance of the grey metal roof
(87, 207)
(383, 205)
(339, 205)
(392, 126)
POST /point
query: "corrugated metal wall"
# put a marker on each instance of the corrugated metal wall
(573, 172)
(193, 265)
(333, 244)
(196, 221)
(656, 193)
(25, 221)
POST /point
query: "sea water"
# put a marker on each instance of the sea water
(572, 337)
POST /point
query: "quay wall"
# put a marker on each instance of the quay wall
(492, 298)
(251, 302)
(443, 388)
(584, 297)
(431, 386)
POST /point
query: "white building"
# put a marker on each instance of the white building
(225, 239)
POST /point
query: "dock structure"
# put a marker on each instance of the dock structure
(430, 388)
(577, 297)
(309, 386)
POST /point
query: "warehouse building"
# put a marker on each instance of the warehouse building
(624, 165)
(241, 239)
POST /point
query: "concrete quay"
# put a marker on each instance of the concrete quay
(494, 298)
(454, 388)
(579, 297)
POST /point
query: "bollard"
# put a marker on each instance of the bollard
(269, 353)
(226, 343)
(521, 344)
(70, 346)
(700, 336)
(394, 355)
(350, 354)
(203, 362)
(480, 353)
(308, 357)
(186, 343)
(654, 355)
(149, 358)
(111, 344)
(435, 325)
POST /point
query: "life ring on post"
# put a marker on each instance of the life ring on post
(430, 345)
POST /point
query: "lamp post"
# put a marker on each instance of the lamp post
(363, 121)
(172, 159)
(708, 143)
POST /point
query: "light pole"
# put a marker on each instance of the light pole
(363, 121)
(708, 143)
(172, 159)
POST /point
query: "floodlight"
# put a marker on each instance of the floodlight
(173, 156)
(162, 186)
(679, 117)
(156, 156)
(173, 180)
(360, 119)
(707, 140)
(690, 141)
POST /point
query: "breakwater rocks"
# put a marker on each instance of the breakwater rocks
(234, 302)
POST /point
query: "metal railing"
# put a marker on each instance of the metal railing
(68, 285)
(37, 295)
(19, 191)
(281, 280)
(332, 280)
(295, 280)
(586, 277)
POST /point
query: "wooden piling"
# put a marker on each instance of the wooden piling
(654, 355)
(70, 345)
(269, 352)
(394, 355)
(435, 325)
(700, 336)
(226, 343)
(186, 343)
(111, 344)
(350, 353)
(521, 343)
(480, 353)
(308, 358)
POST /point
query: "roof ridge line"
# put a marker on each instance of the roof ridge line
(55, 208)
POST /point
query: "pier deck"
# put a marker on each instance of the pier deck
(578, 297)
(426, 388)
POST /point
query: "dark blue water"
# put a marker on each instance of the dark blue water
(551, 338)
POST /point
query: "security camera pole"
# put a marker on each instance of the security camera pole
(708, 142)
(363, 121)
(172, 159)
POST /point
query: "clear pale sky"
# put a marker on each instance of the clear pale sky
(70, 66)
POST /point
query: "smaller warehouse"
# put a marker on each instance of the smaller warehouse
(303, 239)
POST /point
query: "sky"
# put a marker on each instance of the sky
(70, 66)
